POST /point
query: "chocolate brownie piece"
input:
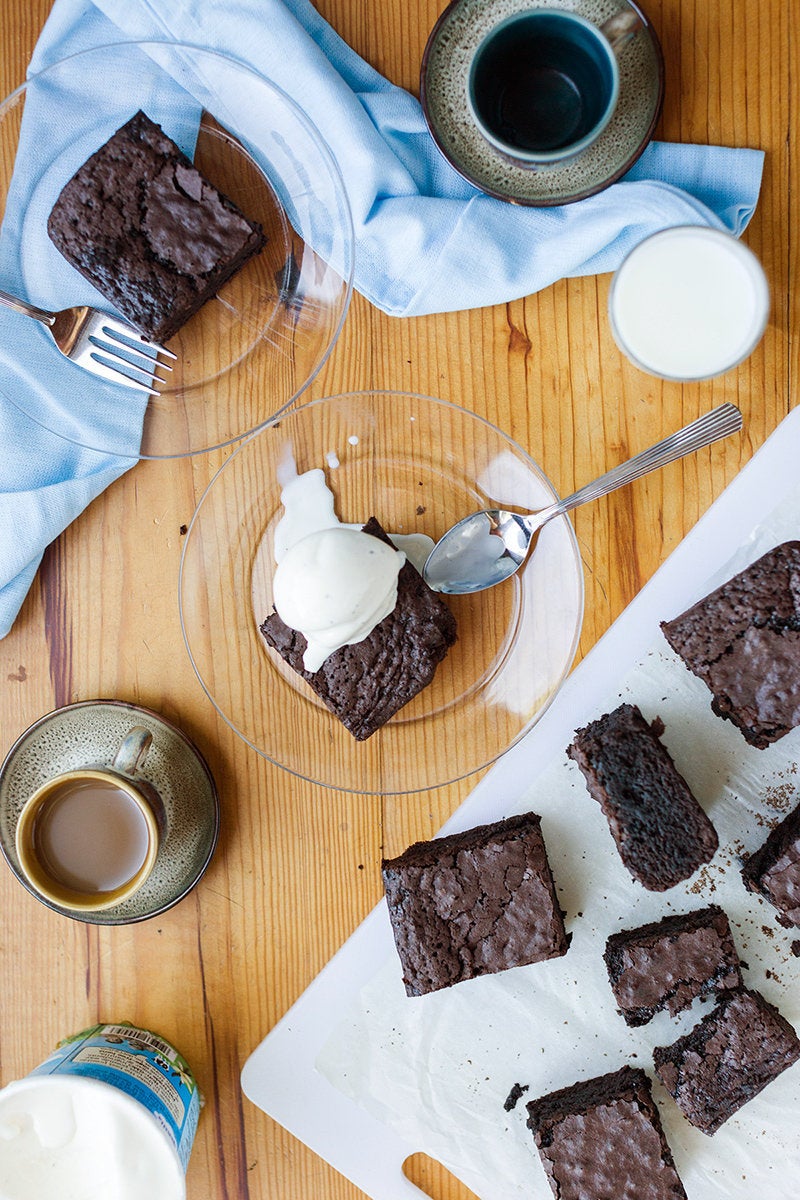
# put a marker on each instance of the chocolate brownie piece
(602, 1138)
(661, 831)
(669, 963)
(473, 903)
(149, 231)
(743, 641)
(774, 870)
(727, 1059)
(367, 683)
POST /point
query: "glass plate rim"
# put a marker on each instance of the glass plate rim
(10, 98)
(458, 776)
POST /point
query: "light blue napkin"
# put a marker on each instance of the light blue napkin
(46, 480)
(426, 240)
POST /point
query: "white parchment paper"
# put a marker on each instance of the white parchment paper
(437, 1069)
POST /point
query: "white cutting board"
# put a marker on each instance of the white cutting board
(280, 1076)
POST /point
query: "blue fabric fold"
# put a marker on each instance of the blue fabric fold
(425, 239)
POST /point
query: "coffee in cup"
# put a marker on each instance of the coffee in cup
(543, 84)
(88, 838)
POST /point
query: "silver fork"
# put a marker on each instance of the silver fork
(100, 343)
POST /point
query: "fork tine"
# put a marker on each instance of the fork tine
(107, 369)
(120, 350)
(118, 370)
(146, 375)
(127, 335)
(135, 344)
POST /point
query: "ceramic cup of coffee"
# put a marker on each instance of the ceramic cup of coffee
(543, 84)
(88, 838)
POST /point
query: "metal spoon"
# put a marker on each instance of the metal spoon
(487, 547)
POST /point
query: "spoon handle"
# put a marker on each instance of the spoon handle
(712, 426)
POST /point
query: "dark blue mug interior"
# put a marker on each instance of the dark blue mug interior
(542, 82)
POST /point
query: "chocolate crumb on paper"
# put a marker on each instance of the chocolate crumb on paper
(516, 1093)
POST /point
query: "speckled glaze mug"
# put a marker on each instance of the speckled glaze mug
(88, 838)
(543, 84)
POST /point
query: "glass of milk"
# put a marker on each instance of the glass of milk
(689, 303)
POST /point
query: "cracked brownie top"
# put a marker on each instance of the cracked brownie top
(603, 1137)
(743, 641)
(668, 963)
(473, 903)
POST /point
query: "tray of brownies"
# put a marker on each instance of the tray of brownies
(591, 974)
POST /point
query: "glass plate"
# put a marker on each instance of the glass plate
(249, 352)
(417, 464)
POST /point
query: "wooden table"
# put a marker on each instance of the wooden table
(297, 866)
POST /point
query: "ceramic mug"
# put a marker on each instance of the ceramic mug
(88, 838)
(543, 84)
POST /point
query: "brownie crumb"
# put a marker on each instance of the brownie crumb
(514, 1095)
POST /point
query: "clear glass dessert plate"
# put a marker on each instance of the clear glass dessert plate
(417, 464)
(250, 351)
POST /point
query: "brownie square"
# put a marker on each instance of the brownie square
(601, 1139)
(743, 641)
(661, 831)
(774, 871)
(367, 683)
(473, 903)
(669, 963)
(149, 231)
(727, 1059)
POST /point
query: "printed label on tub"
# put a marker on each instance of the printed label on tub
(140, 1064)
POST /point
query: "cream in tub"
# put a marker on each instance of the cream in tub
(112, 1113)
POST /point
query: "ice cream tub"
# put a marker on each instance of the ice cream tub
(111, 1112)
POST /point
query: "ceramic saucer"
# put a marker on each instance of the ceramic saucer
(91, 731)
(443, 93)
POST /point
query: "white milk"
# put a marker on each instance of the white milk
(689, 303)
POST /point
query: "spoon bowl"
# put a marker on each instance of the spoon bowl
(488, 547)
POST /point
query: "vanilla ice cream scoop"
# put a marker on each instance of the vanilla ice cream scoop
(334, 586)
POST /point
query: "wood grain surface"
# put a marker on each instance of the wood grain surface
(297, 866)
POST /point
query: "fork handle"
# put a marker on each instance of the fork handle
(27, 310)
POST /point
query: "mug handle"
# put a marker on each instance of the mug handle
(133, 750)
(619, 29)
